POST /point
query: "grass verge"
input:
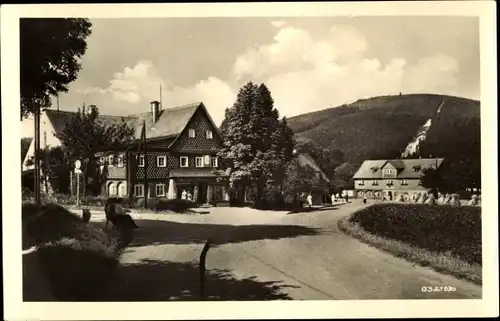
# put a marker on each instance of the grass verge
(442, 259)
(76, 259)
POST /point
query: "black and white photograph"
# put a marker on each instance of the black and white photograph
(251, 157)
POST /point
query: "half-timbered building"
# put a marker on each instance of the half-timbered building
(179, 157)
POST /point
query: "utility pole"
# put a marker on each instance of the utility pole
(37, 155)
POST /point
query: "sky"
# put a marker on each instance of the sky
(308, 63)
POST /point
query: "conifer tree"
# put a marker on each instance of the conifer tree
(256, 144)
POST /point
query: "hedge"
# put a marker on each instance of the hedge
(436, 228)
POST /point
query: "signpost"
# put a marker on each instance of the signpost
(78, 171)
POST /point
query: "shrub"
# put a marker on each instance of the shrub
(435, 228)
(174, 205)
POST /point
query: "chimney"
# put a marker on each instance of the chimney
(155, 108)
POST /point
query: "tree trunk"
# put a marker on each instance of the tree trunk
(260, 191)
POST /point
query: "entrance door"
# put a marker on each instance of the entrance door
(202, 193)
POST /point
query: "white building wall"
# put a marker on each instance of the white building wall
(47, 139)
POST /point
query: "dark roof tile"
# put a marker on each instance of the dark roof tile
(372, 169)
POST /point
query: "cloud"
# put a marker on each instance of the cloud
(215, 93)
(278, 23)
(304, 74)
(307, 74)
(137, 84)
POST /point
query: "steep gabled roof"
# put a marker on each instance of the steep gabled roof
(170, 123)
(407, 168)
(370, 169)
(306, 160)
(25, 146)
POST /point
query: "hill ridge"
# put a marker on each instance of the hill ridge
(383, 126)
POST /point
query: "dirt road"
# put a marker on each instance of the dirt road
(266, 256)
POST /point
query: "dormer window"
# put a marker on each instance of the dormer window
(389, 171)
(209, 134)
(374, 168)
(192, 133)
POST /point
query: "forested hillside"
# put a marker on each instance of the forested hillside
(381, 127)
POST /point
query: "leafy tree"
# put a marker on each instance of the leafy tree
(55, 168)
(327, 159)
(83, 136)
(343, 176)
(257, 145)
(300, 179)
(50, 49)
(455, 175)
(431, 178)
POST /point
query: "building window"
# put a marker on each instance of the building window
(120, 161)
(210, 135)
(199, 161)
(112, 191)
(184, 161)
(404, 182)
(122, 189)
(111, 159)
(192, 133)
(389, 182)
(139, 190)
(160, 189)
(140, 160)
(361, 182)
(161, 161)
(375, 183)
(213, 162)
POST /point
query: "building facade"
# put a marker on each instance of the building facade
(181, 160)
(388, 179)
(181, 155)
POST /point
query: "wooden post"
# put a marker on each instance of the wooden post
(146, 183)
(77, 189)
(202, 267)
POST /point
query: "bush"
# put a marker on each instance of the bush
(174, 205)
(77, 257)
(435, 228)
